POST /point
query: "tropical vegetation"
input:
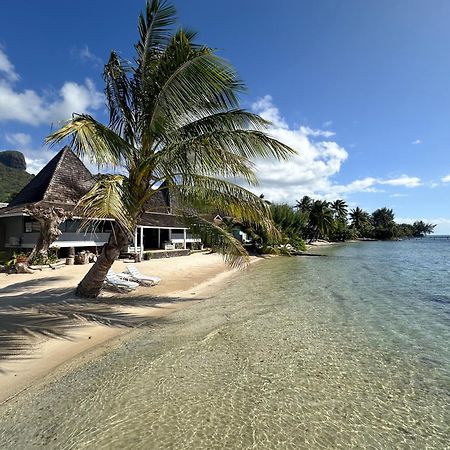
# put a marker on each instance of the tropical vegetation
(320, 219)
(13, 174)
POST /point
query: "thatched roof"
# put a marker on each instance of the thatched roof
(64, 180)
(162, 220)
(159, 202)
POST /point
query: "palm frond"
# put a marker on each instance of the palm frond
(202, 159)
(226, 198)
(226, 153)
(94, 140)
(194, 81)
(231, 120)
(217, 238)
(154, 29)
(119, 96)
(249, 144)
(107, 199)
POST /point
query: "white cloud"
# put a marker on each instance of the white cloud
(327, 123)
(20, 140)
(6, 67)
(311, 171)
(416, 142)
(446, 179)
(29, 107)
(85, 55)
(37, 158)
(398, 195)
(403, 180)
(307, 131)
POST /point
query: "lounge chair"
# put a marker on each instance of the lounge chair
(137, 276)
(113, 280)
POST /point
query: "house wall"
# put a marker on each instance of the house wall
(69, 240)
(13, 235)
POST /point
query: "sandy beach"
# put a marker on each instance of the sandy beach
(43, 325)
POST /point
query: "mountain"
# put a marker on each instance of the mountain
(13, 174)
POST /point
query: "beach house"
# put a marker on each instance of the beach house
(60, 184)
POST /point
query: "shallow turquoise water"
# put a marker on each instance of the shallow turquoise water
(347, 351)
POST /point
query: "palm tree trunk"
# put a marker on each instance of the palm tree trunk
(91, 285)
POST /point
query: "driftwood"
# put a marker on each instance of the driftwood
(49, 218)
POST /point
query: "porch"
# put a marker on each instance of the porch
(150, 238)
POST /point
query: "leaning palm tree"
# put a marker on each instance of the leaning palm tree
(174, 123)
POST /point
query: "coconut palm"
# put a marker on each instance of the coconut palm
(339, 208)
(384, 224)
(420, 228)
(359, 218)
(174, 123)
(304, 205)
(320, 219)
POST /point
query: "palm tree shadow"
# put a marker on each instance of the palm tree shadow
(53, 313)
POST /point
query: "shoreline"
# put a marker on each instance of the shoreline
(46, 356)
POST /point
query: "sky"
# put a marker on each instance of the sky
(360, 89)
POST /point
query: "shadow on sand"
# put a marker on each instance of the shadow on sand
(52, 313)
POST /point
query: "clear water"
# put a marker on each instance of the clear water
(346, 351)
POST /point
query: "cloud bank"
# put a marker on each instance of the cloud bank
(29, 107)
(311, 171)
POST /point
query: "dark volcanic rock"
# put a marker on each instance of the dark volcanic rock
(13, 159)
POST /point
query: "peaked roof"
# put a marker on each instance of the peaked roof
(64, 180)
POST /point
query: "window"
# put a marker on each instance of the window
(31, 225)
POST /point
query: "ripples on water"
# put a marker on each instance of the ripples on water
(348, 351)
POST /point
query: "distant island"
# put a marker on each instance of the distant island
(13, 174)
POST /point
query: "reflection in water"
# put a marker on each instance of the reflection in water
(338, 352)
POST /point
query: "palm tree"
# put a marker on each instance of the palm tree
(320, 219)
(174, 123)
(420, 228)
(384, 224)
(339, 208)
(304, 205)
(359, 218)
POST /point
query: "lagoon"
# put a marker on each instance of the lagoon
(351, 350)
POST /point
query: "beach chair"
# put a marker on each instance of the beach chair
(114, 281)
(144, 280)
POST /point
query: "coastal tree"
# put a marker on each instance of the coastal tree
(384, 223)
(360, 221)
(339, 208)
(174, 123)
(291, 225)
(421, 229)
(304, 205)
(320, 219)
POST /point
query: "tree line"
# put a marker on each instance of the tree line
(311, 219)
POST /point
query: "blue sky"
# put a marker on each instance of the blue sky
(360, 89)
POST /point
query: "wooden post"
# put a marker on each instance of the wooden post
(184, 237)
(142, 242)
(159, 238)
(135, 240)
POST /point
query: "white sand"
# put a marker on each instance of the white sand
(49, 293)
